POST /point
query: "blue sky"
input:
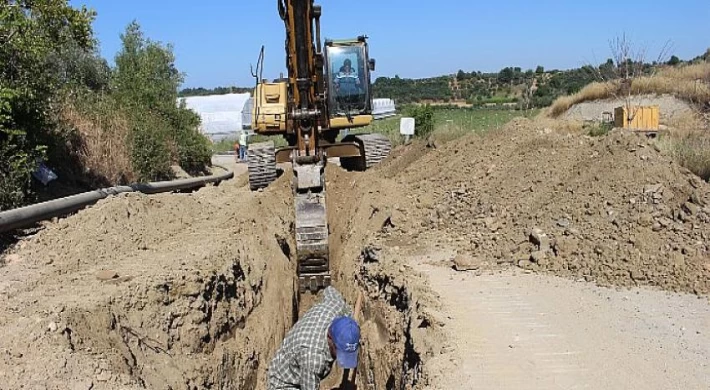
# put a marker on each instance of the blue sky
(215, 41)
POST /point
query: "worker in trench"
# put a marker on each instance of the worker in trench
(324, 334)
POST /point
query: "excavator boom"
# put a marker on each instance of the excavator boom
(327, 90)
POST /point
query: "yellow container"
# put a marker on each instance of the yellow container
(637, 118)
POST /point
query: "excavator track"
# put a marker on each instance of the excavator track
(374, 148)
(261, 161)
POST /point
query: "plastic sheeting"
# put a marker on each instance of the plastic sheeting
(383, 108)
(221, 114)
(224, 116)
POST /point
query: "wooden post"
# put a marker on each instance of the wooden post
(347, 378)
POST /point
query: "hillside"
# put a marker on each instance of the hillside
(511, 86)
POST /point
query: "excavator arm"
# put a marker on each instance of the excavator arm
(327, 90)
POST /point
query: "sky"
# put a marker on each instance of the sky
(215, 41)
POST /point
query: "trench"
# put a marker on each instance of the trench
(219, 328)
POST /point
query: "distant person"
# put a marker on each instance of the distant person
(237, 152)
(243, 139)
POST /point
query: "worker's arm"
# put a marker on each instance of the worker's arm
(312, 369)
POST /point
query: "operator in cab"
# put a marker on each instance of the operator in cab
(347, 81)
(326, 333)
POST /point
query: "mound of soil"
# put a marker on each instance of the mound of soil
(160, 291)
(611, 209)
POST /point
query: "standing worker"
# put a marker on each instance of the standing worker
(326, 333)
(243, 138)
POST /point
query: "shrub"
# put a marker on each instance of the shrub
(423, 119)
(150, 153)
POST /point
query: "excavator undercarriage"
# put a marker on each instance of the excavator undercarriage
(327, 90)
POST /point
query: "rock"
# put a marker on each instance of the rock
(52, 327)
(524, 264)
(652, 189)
(637, 274)
(645, 220)
(539, 257)
(677, 259)
(104, 376)
(563, 223)
(106, 275)
(690, 208)
(539, 238)
(466, 263)
(13, 258)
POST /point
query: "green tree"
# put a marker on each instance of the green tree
(540, 69)
(673, 61)
(146, 81)
(506, 75)
(32, 35)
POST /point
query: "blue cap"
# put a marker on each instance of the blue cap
(346, 337)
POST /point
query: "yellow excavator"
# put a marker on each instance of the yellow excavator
(328, 89)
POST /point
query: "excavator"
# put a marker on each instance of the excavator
(327, 90)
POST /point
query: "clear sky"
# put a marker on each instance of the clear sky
(215, 41)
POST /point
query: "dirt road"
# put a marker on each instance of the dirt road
(513, 330)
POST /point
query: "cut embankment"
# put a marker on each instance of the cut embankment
(175, 291)
(151, 292)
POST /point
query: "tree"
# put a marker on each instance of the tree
(673, 61)
(146, 81)
(461, 75)
(506, 75)
(32, 35)
(540, 69)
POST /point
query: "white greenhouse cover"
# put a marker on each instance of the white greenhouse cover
(221, 114)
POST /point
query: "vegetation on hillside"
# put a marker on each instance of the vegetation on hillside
(690, 82)
(61, 104)
(214, 91)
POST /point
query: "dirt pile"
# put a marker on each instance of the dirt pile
(165, 291)
(611, 209)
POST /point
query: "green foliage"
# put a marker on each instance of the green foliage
(150, 154)
(215, 91)
(598, 129)
(32, 35)
(423, 119)
(50, 71)
(146, 81)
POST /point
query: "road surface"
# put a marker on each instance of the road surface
(524, 331)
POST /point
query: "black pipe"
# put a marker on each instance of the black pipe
(25, 216)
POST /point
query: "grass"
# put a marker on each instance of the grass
(99, 135)
(690, 149)
(227, 144)
(688, 82)
(449, 123)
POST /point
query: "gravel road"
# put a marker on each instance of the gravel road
(524, 331)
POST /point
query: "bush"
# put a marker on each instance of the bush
(423, 119)
(597, 129)
(150, 153)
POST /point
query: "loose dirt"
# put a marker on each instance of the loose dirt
(175, 290)
(142, 291)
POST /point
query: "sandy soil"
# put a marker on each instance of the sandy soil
(512, 330)
(195, 291)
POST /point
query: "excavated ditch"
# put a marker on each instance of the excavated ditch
(189, 291)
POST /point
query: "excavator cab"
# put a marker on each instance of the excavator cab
(347, 73)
